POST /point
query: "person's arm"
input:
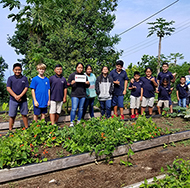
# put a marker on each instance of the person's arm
(34, 98)
(174, 75)
(154, 82)
(71, 80)
(177, 93)
(87, 83)
(125, 87)
(97, 86)
(141, 94)
(65, 95)
(49, 97)
(171, 89)
(111, 86)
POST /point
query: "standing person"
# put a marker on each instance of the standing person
(79, 82)
(170, 77)
(17, 86)
(149, 85)
(104, 90)
(90, 92)
(188, 84)
(163, 95)
(136, 94)
(58, 93)
(181, 92)
(120, 81)
(40, 92)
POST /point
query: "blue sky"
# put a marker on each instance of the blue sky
(134, 42)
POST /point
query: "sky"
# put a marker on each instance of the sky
(134, 43)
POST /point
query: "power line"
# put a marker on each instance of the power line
(148, 18)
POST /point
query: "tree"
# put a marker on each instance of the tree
(3, 91)
(161, 28)
(64, 32)
(175, 56)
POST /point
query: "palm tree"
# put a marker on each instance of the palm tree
(174, 56)
(161, 28)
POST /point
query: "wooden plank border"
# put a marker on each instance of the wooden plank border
(82, 159)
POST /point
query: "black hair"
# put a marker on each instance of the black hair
(136, 73)
(17, 65)
(165, 64)
(164, 80)
(88, 66)
(101, 75)
(148, 68)
(79, 64)
(182, 77)
(120, 62)
(58, 65)
(189, 69)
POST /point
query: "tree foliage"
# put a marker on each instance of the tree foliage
(64, 32)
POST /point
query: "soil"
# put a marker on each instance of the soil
(146, 164)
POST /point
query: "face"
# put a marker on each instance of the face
(58, 70)
(182, 80)
(41, 71)
(79, 68)
(136, 77)
(165, 68)
(118, 68)
(189, 71)
(17, 71)
(148, 72)
(105, 70)
(88, 70)
(165, 83)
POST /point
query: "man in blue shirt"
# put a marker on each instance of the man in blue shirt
(120, 81)
(58, 93)
(17, 86)
(169, 76)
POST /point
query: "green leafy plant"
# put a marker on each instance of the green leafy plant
(127, 163)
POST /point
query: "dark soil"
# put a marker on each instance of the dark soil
(146, 164)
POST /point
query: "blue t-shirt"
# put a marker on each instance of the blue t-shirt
(136, 92)
(57, 86)
(148, 87)
(118, 89)
(163, 93)
(41, 87)
(168, 75)
(182, 91)
(18, 84)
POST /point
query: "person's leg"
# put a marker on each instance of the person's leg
(179, 102)
(150, 105)
(74, 103)
(150, 110)
(35, 117)
(85, 107)
(52, 112)
(52, 118)
(143, 105)
(56, 117)
(108, 108)
(170, 104)
(37, 112)
(24, 112)
(80, 109)
(142, 110)
(43, 112)
(102, 107)
(132, 111)
(158, 107)
(91, 107)
(184, 102)
(120, 104)
(13, 105)
(43, 116)
(114, 104)
(58, 110)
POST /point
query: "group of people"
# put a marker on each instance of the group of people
(110, 89)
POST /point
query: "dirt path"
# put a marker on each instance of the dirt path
(146, 165)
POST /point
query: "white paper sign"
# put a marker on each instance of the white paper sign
(80, 78)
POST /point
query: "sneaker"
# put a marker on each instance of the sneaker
(137, 115)
(133, 116)
(122, 117)
(78, 121)
(115, 115)
(71, 125)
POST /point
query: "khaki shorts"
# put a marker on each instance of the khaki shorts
(55, 107)
(166, 103)
(134, 102)
(147, 102)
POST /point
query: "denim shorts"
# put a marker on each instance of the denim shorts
(38, 111)
(13, 107)
(118, 101)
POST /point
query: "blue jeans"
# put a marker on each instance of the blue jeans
(118, 101)
(77, 102)
(182, 102)
(105, 107)
(89, 102)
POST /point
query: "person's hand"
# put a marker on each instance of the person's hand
(174, 74)
(140, 98)
(132, 80)
(73, 82)
(36, 104)
(134, 87)
(117, 82)
(178, 98)
(87, 82)
(124, 92)
(48, 103)
(64, 100)
(18, 98)
(172, 89)
(152, 79)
